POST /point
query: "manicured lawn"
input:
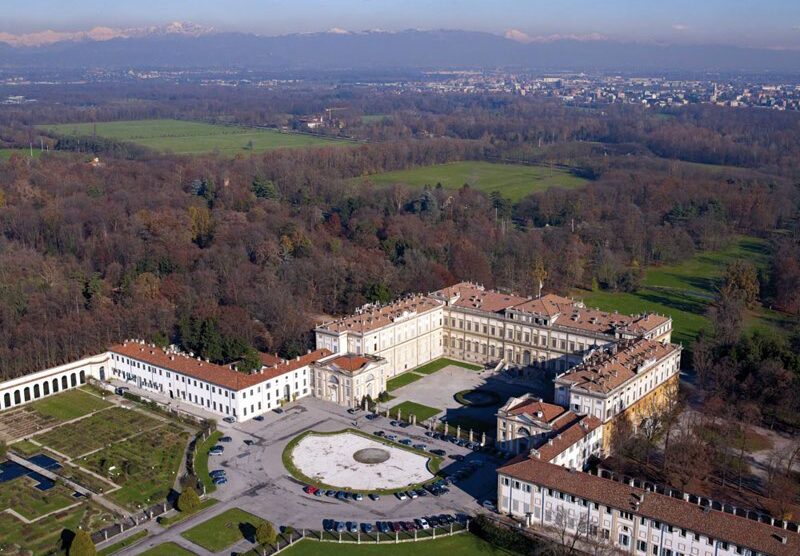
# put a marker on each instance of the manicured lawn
(684, 291)
(117, 546)
(26, 448)
(402, 380)
(439, 364)
(201, 461)
(463, 544)
(96, 431)
(224, 530)
(514, 181)
(167, 549)
(144, 466)
(423, 412)
(69, 405)
(184, 137)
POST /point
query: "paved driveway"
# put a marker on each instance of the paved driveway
(258, 482)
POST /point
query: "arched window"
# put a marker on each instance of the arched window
(36, 392)
(46, 388)
(7, 400)
(17, 400)
(27, 393)
(64, 384)
(73, 379)
(83, 377)
(55, 385)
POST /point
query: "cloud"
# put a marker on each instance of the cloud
(522, 37)
(680, 27)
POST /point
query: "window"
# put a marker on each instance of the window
(641, 546)
(624, 539)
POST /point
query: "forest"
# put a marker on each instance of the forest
(225, 255)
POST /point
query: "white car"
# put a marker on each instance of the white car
(423, 523)
(413, 495)
(489, 505)
(401, 496)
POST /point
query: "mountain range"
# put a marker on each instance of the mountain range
(187, 46)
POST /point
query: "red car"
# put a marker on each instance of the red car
(310, 489)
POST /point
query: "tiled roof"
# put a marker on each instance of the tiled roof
(568, 433)
(473, 296)
(606, 370)
(269, 360)
(534, 406)
(373, 318)
(349, 363)
(209, 372)
(666, 509)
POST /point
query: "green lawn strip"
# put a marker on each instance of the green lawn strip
(434, 462)
(26, 448)
(144, 466)
(167, 549)
(462, 544)
(221, 531)
(439, 364)
(402, 380)
(5, 154)
(117, 546)
(423, 412)
(185, 137)
(69, 405)
(180, 516)
(513, 181)
(201, 461)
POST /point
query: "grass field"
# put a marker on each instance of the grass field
(423, 412)
(5, 154)
(685, 290)
(96, 431)
(463, 544)
(224, 530)
(144, 466)
(514, 181)
(69, 405)
(167, 549)
(182, 137)
(402, 380)
(441, 363)
(21, 496)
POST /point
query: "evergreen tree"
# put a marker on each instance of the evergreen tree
(188, 501)
(82, 544)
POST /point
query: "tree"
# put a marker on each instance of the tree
(250, 361)
(82, 544)
(741, 281)
(538, 276)
(263, 188)
(266, 534)
(188, 501)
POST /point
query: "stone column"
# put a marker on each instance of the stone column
(483, 439)
(413, 419)
(470, 435)
(399, 414)
(458, 431)
(446, 426)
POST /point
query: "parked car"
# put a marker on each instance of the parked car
(358, 497)
(341, 495)
(225, 439)
(430, 434)
(217, 473)
(258, 418)
(330, 493)
(403, 425)
(422, 523)
(383, 526)
(379, 433)
(310, 489)
(216, 451)
(328, 524)
(277, 410)
(319, 492)
(120, 390)
(374, 497)
(409, 526)
(433, 521)
(339, 527)
(421, 447)
(456, 457)
(370, 417)
(249, 442)
(394, 423)
(421, 492)
(392, 437)
(401, 496)
(406, 442)
(439, 452)
(489, 505)
(352, 527)
(366, 527)
(220, 481)
(229, 419)
(412, 494)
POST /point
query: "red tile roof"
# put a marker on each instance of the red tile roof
(210, 372)
(666, 509)
(569, 433)
(375, 317)
(533, 406)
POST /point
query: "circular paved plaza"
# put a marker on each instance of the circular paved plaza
(352, 461)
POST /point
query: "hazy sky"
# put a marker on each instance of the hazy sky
(769, 23)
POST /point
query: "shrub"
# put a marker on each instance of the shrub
(266, 534)
(82, 544)
(188, 501)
